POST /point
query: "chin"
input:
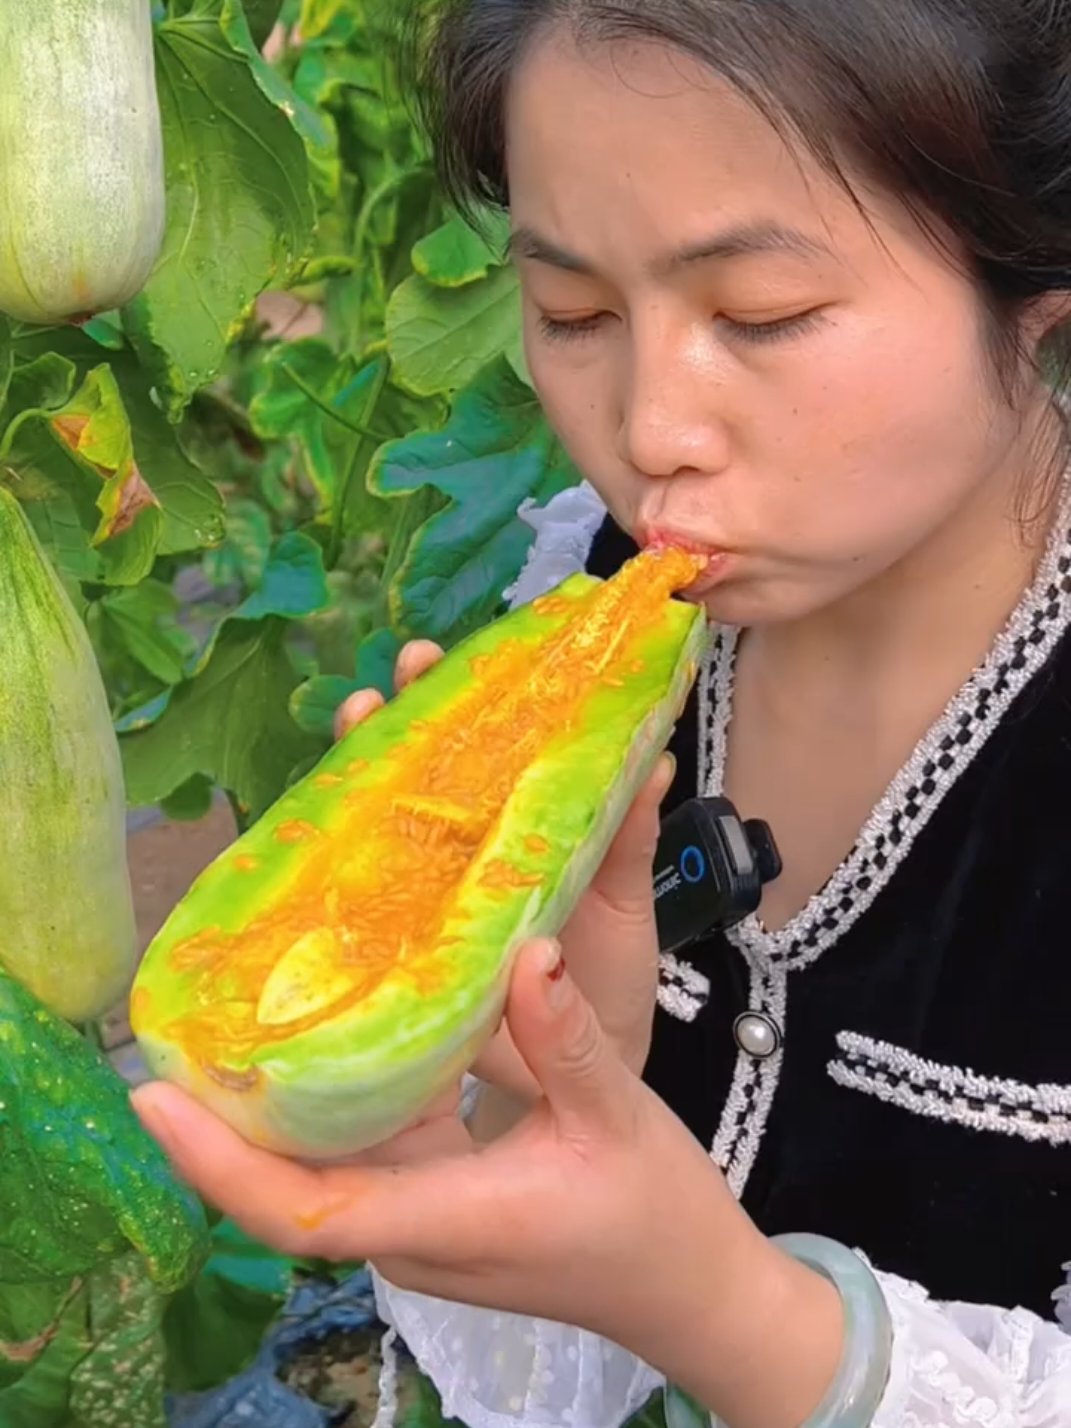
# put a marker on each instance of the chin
(759, 602)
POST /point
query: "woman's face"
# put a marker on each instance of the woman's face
(729, 349)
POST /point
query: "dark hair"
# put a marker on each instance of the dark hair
(962, 108)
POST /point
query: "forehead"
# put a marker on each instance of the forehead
(633, 143)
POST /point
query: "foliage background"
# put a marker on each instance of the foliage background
(305, 441)
(253, 520)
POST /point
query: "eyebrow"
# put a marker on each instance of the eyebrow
(741, 241)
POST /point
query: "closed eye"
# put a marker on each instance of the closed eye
(569, 329)
(778, 328)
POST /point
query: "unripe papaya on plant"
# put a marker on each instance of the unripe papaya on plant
(81, 157)
(345, 961)
(65, 904)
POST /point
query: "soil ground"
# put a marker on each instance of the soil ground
(164, 858)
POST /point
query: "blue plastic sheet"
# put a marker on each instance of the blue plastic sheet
(257, 1398)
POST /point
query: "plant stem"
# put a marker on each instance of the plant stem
(241, 818)
(338, 517)
(322, 405)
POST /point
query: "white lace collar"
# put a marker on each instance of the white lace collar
(940, 757)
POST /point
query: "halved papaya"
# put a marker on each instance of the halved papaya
(344, 962)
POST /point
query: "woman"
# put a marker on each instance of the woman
(790, 272)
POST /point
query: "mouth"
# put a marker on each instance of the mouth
(717, 559)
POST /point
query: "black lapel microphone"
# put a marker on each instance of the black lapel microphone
(710, 869)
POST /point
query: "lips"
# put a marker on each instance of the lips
(651, 537)
(713, 573)
(661, 537)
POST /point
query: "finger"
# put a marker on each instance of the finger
(501, 1065)
(278, 1201)
(590, 1091)
(355, 709)
(413, 659)
(337, 1212)
(624, 877)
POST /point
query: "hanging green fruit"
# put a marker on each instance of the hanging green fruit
(65, 902)
(81, 157)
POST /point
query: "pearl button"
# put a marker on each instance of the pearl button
(757, 1035)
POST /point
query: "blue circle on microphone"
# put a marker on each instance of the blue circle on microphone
(693, 864)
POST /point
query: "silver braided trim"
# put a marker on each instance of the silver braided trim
(683, 991)
(754, 1085)
(950, 1094)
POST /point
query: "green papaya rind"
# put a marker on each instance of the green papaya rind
(65, 901)
(359, 1077)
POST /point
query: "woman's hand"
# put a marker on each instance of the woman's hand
(598, 1209)
(610, 943)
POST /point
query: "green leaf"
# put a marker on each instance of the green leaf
(240, 205)
(142, 622)
(100, 1362)
(494, 452)
(376, 658)
(262, 15)
(651, 1415)
(120, 1382)
(40, 1397)
(307, 392)
(244, 553)
(30, 1318)
(456, 254)
(314, 704)
(54, 359)
(106, 332)
(294, 583)
(191, 504)
(242, 1260)
(317, 16)
(190, 802)
(46, 382)
(230, 724)
(80, 1180)
(214, 1327)
(358, 604)
(82, 455)
(235, 24)
(441, 338)
(229, 721)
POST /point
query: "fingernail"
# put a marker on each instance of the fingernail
(554, 971)
(670, 761)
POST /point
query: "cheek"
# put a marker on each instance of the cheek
(890, 421)
(575, 393)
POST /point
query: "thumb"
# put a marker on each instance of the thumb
(588, 1087)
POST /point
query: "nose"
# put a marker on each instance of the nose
(674, 407)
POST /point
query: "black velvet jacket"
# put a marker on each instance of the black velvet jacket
(920, 1106)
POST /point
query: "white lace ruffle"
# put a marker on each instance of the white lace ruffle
(503, 1370)
(565, 528)
(954, 1366)
(973, 1366)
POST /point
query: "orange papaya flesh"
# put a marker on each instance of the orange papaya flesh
(345, 960)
